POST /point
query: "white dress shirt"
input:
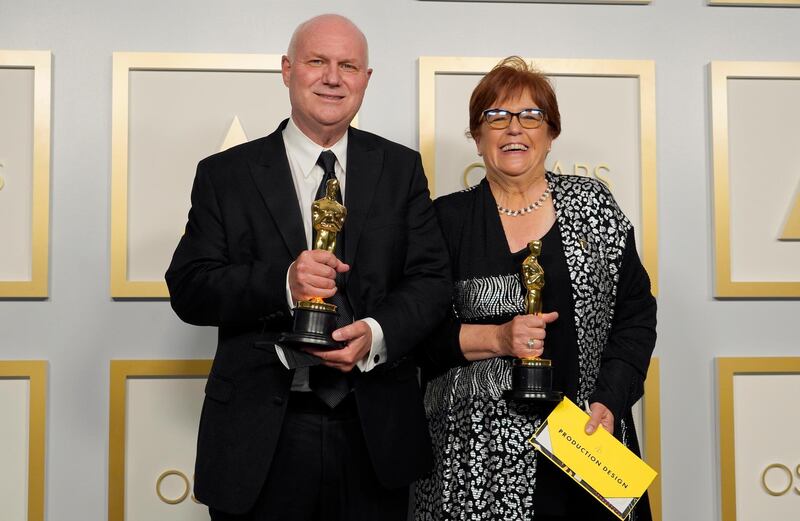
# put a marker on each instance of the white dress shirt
(303, 153)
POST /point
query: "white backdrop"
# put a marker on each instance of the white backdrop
(161, 436)
(79, 328)
(164, 145)
(772, 177)
(759, 401)
(14, 399)
(16, 164)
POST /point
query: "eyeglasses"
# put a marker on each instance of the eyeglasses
(500, 118)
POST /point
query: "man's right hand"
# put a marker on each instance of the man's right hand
(313, 274)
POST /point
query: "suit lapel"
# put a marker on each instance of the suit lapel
(364, 169)
(273, 178)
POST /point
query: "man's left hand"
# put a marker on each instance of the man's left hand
(358, 337)
(601, 415)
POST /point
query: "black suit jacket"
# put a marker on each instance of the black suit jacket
(229, 270)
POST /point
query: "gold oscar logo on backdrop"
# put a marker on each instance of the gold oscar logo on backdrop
(781, 469)
(599, 171)
(474, 172)
(180, 498)
(2, 180)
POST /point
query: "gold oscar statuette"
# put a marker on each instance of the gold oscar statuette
(532, 377)
(315, 319)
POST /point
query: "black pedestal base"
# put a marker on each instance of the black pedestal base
(532, 380)
(524, 395)
(312, 328)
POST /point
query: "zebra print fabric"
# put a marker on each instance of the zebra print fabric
(500, 295)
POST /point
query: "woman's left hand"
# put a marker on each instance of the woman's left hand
(600, 415)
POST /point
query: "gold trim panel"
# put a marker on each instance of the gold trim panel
(36, 372)
(596, 2)
(721, 72)
(652, 432)
(643, 70)
(41, 63)
(756, 3)
(121, 371)
(123, 64)
(727, 368)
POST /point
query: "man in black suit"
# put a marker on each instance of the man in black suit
(341, 440)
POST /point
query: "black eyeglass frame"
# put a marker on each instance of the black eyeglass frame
(512, 114)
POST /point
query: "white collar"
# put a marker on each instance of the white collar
(306, 152)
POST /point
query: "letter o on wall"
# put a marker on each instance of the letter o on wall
(783, 468)
(166, 474)
(468, 170)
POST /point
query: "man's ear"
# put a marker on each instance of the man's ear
(286, 69)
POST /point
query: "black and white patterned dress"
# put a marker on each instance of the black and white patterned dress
(484, 468)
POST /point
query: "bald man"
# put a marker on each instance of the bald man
(274, 443)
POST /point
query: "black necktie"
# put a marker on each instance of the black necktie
(327, 160)
(332, 385)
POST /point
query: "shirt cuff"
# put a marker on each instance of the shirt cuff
(377, 352)
(289, 299)
(281, 356)
(278, 349)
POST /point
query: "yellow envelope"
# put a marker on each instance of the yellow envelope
(601, 464)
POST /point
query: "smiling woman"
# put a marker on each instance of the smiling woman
(514, 119)
(598, 328)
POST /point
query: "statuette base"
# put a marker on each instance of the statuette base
(313, 324)
(532, 380)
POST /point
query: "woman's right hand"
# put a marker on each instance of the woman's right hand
(523, 336)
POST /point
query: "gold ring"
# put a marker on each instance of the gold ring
(531, 343)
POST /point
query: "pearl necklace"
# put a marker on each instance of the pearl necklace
(528, 209)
